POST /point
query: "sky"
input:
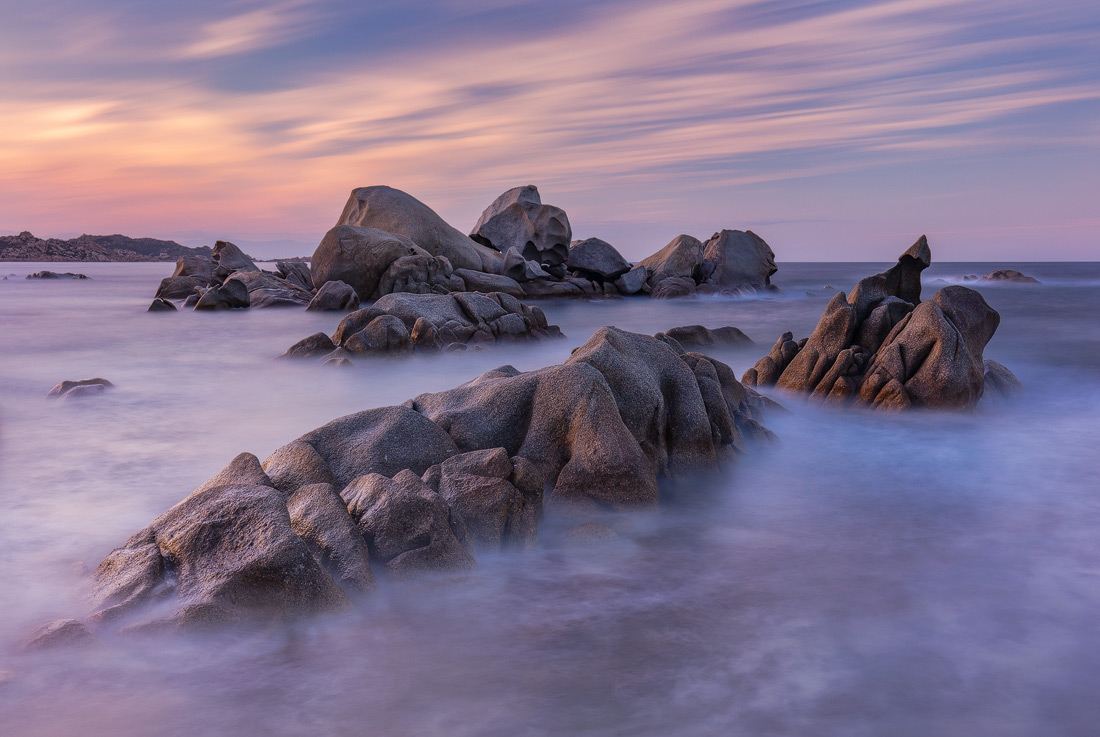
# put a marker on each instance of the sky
(837, 130)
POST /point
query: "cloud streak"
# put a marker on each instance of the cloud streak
(684, 107)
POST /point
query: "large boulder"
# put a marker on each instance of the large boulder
(80, 387)
(518, 219)
(359, 257)
(334, 296)
(632, 281)
(198, 265)
(420, 274)
(479, 281)
(736, 261)
(228, 551)
(882, 347)
(180, 287)
(396, 212)
(297, 272)
(681, 258)
(596, 258)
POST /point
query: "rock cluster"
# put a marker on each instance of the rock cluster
(430, 484)
(730, 262)
(883, 348)
(56, 275)
(403, 322)
(697, 336)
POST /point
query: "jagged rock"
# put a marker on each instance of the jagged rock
(682, 258)
(673, 286)
(229, 258)
(232, 294)
(516, 267)
(632, 281)
(408, 527)
(425, 481)
(518, 219)
(315, 345)
(180, 287)
(385, 334)
(697, 336)
(227, 551)
(597, 258)
(884, 348)
(478, 281)
(81, 387)
(998, 381)
(335, 295)
(1009, 275)
(161, 305)
(56, 275)
(268, 290)
(59, 633)
(396, 212)
(296, 272)
(420, 274)
(735, 261)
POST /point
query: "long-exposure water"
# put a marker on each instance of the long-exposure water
(870, 574)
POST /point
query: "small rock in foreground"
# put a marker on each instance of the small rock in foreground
(83, 387)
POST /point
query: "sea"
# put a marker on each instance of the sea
(877, 575)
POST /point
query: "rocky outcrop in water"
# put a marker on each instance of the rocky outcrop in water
(1008, 276)
(26, 247)
(70, 389)
(697, 336)
(429, 485)
(730, 262)
(884, 348)
(400, 323)
(56, 275)
(518, 219)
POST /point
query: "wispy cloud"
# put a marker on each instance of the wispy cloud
(680, 106)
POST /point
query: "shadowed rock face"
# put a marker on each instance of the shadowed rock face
(882, 347)
(426, 485)
(359, 257)
(735, 260)
(518, 219)
(394, 211)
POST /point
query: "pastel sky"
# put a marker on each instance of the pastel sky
(837, 130)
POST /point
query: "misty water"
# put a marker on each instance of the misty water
(871, 574)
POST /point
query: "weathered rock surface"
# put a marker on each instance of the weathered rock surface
(231, 295)
(396, 212)
(161, 305)
(335, 296)
(673, 286)
(181, 287)
(296, 272)
(424, 486)
(883, 348)
(479, 281)
(632, 281)
(518, 219)
(359, 257)
(267, 290)
(681, 258)
(518, 268)
(597, 259)
(229, 258)
(82, 387)
(401, 322)
(737, 261)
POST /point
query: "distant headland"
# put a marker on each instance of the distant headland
(26, 247)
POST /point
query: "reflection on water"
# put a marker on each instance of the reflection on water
(870, 575)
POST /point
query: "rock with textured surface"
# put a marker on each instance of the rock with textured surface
(267, 290)
(1009, 276)
(999, 381)
(359, 257)
(737, 261)
(516, 267)
(397, 212)
(334, 296)
(319, 516)
(229, 258)
(632, 281)
(59, 633)
(69, 388)
(161, 305)
(318, 344)
(518, 219)
(673, 286)
(180, 287)
(682, 257)
(231, 295)
(479, 281)
(697, 336)
(597, 258)
(296, 272)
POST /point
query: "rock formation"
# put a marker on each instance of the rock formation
(596, 259)
(428, 485)
(1010, 276)
(69, 389)
(883, 348)
(26, 247)
(518, 219)
(401, 322)
(697, 336)
(56, 275)
(731, 262)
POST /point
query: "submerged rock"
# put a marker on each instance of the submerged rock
(161, 305)
(56, 275)
(697, 336)
(426, 485)
(82, 387)
(1010, 276)
(882, 347)
(1000, 382)
(231, 295)
(58, 633)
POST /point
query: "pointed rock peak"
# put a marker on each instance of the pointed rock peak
(919, 251)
